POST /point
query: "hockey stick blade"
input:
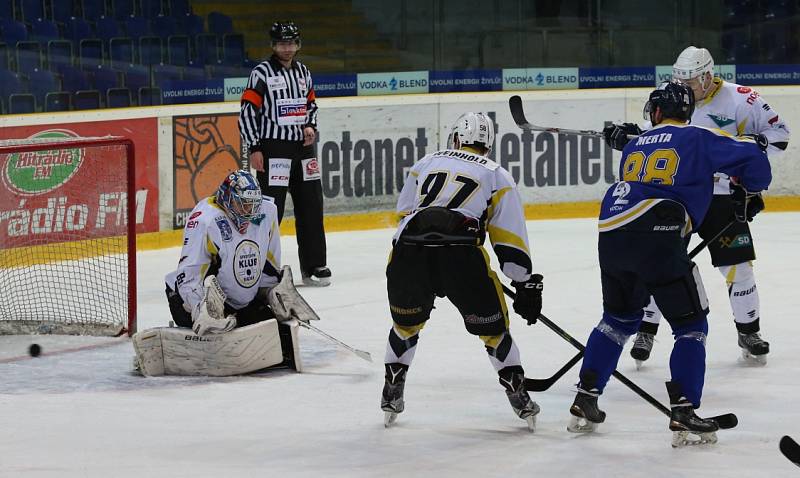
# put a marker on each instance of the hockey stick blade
(515, 105)
(790, 449)
(542, 384)
(360, 353)
(726, 421)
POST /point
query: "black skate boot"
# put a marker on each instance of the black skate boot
(687, 428)
(513, 379)
(642, 346)
(317, 277)
(586, 415)
(392, 398)
(754, 348)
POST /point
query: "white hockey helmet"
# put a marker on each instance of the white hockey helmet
(692, 63)
(472, 129)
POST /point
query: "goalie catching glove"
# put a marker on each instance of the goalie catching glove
(528, 301)
(616, 135)
(209, 315)
(745, 204)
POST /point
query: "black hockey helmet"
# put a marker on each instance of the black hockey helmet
(675, 99)
(284, 31)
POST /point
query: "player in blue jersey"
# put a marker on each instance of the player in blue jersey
(665, 188)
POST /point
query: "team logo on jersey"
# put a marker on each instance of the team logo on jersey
(740, 240)
(247, 264)
(721, 121)
(224, 228)
(744, 89)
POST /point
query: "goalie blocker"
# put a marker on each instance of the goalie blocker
(267, 343)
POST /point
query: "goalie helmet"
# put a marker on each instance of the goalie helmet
(284, 31)
(675, 99)
(692, 63)
(472, 129)
(240, 196)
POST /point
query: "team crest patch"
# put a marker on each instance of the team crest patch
(224, 228)
(247, 264)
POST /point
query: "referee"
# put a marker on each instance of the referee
(278, 123)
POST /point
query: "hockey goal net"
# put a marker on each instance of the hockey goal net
(67, 235)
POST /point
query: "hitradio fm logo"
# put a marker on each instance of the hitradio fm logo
(38, 172)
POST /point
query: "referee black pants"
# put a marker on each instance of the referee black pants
(306, 197)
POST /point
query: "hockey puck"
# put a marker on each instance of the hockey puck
(35, 350)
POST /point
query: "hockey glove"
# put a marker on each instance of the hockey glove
(745, 204)
(616, 135)
(760, 140)
(528, 301)
(209, 315)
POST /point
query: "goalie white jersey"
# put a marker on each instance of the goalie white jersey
(739, 110)
(242, 262)
(476, 187)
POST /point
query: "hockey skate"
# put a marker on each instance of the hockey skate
(642, 346)
(586, 415)
(754, 348)
(317, 277)
(513, 380)
(687, 428)
(392, 398)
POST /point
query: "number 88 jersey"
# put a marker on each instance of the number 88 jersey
(476, 187)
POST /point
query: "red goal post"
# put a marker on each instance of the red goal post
(68, 235)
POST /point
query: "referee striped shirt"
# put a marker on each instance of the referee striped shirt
(277, 103)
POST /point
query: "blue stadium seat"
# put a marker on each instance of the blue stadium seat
(107, 28)
(4, 56)
(121, 52)
(13, 32)
(194, 73)
(150, 51)
(162, 73)
(137, 27)
(136, 77)
(103, 79)
(164, 26)
(123, 9)
(32, 9)
(118, 98)
(40, 82)
(57, 101)
(149, 96)
(86, 100)
(179, 7)
(206, 51)
(178, 50)
(6, 9)
(91, 52)
(21, 103)
(63, 10)
(191, 25)
(233, 49)
(73, 79)
(77, 29)
(10, 84)
(92, 10)
(44, 30)
(29, 56)
(152, 8)
(59, 52)
(219, 24)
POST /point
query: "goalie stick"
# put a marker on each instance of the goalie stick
(725, 421)
(515, 105)
(790, 449)
(361, 354)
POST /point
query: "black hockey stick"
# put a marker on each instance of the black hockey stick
(725, 421)
(790, 449)
(515, 105)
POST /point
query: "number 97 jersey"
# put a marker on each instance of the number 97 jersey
(476, 187)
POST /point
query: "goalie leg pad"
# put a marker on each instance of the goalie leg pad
(178, 351)
(287, 303)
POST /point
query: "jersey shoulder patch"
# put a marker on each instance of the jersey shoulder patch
(744, 89)
(224, 226)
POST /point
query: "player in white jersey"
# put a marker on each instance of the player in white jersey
(234, 237)
(738, 110)
(450, 200)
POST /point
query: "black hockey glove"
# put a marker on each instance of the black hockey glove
(616, 135)
(745, 205)
(760, 140)
(528, 301)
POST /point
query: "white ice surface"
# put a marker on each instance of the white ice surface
(82, 414)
